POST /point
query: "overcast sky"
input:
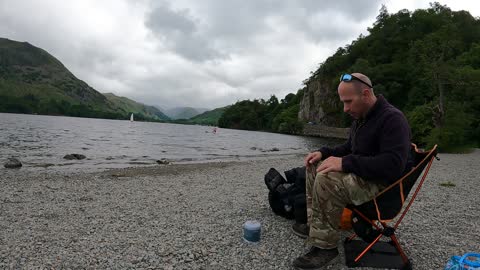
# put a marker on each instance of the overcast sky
(207, 53)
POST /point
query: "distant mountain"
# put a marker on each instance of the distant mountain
(33, 81)
(184, 112)
(136, 108)
(160, 108)
(209, 118)
(202, 110)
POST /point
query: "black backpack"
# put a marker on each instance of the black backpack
(287, 196)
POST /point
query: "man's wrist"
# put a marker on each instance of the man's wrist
(346, 164)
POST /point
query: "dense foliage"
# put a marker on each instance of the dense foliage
(268, 115)
(427, 63)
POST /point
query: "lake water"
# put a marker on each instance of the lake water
(41, 142)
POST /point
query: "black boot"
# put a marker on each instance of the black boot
(301, 230)
(316, 258)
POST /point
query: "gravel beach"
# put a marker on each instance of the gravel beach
(190, 216)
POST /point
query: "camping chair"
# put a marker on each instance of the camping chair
(382, 210)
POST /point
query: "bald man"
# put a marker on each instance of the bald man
(374, 156)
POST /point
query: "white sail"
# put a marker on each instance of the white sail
(131, 117)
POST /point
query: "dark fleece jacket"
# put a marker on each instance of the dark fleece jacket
(378, 146)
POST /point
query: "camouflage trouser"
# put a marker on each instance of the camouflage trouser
(327, 196)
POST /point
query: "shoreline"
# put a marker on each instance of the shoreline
(190, 216)
(78, 167)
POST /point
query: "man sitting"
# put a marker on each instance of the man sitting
(374, 156)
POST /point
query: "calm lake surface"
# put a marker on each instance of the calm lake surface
(41, 142)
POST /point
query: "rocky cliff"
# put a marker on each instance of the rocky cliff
(320, 103)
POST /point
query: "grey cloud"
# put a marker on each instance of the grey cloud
(211, 29)
(178, 30)
(357, 10)
(162, 18)
(244, 18)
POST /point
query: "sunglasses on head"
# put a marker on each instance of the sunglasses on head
(350, 77)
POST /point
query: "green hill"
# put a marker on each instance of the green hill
(209, 117)
(139, 109)
(33, 81)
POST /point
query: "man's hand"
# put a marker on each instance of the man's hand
(331, 164)
(313, 157)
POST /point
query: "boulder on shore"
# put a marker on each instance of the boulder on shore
(13, 163)
(74, 156)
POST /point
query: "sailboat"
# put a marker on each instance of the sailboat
(131, 117)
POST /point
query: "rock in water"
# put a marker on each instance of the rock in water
(163, 161)
(74, 156)
(12, 163)
(274, 149)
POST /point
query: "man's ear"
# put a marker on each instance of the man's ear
(365, 93)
